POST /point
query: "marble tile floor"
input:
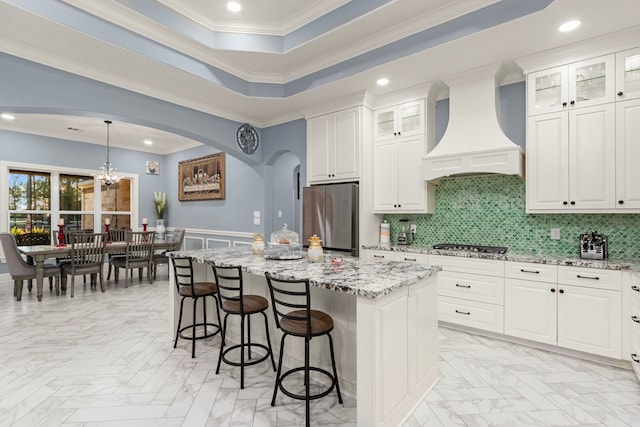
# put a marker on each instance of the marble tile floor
(106, 360)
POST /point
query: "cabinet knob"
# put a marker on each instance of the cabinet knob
(564, 104)
(395, 134)
(553, 290)
(620, 93)
(573, 203)
(399, 206)
(634, 357)
(573, 102)
(635, 319)
(565, 203)
(635, 288)
(621, 202)
(395, 206)
(399, 133)
(561, 291)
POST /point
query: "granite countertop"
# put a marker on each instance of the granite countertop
(357, 276)
(609, 264)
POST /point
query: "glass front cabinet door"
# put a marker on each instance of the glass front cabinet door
(580, 84)
(628, 74)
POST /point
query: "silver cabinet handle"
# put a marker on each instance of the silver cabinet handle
(410, 259)
(529, 271)
(378, 256)
(587, 277)
(463, 286)
(463, 312)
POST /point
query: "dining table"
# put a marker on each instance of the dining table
(40, 253)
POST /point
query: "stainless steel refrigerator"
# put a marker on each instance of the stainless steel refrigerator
(331, 212)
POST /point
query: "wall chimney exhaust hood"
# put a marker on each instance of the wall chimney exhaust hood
(474, 142)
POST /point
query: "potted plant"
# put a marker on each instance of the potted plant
(160, 205)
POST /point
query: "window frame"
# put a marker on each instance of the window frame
(55, 172)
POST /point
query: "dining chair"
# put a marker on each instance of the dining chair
(138, 252)
(291, 303)
(87, 257)
(161, 258)
(19, 269)
(117, 235)
(33, 239)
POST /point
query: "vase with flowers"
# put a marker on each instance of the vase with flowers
(160, 205)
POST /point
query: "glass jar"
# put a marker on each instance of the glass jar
(315, 249)
(257, 246)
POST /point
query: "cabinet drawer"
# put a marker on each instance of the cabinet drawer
(487, 267)
(635, 298)
(411, 257)
(373, 254)
(590, 277)
(472, 287)
(470, 313)
(531, 271)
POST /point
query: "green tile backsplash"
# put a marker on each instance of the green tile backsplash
(490, 210)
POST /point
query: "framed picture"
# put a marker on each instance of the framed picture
(152, 168)
(202, 178)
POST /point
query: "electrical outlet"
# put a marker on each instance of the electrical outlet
(555, 234)
(414, 228)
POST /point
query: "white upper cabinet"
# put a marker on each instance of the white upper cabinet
(579, 84)
(334, 147)
(400, 143)
(571, 160)
(399, 120)
(628, 74)
(628, 154)
(398, 185)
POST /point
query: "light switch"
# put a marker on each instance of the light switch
(279, 214)
(555, 234)
(256, 217)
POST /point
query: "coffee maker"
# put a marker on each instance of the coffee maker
(404, 235)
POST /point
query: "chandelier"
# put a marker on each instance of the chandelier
(107, 174)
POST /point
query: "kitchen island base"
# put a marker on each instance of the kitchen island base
(386, 346)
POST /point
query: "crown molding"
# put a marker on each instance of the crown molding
(311, 13)
(596, 46)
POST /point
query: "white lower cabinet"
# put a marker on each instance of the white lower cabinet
(634, 320)
(395, 256)
(471, 292)
(531, 310)
(589, 320)
(581, 310)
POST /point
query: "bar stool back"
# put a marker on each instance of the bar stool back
(236, 302)
(291, 302)
(188, 288)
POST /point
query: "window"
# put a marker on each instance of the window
(29, 201)
(37, 199)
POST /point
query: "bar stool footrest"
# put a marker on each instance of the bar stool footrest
(311, 396)
(247, 362)
(207, 334)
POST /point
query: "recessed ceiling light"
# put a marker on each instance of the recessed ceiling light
(382, 82)
(569, 26)
(148, 142)
(234, 6)
(8, 116)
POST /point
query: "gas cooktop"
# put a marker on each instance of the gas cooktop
(471, 248)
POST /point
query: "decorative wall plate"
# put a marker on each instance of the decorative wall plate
(247, 138)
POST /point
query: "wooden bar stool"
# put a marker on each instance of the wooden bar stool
(188, 288)
(236, 302)
(291, 302)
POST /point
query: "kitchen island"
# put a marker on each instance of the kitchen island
(385, 317)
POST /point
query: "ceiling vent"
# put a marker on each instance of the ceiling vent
(474, 142)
